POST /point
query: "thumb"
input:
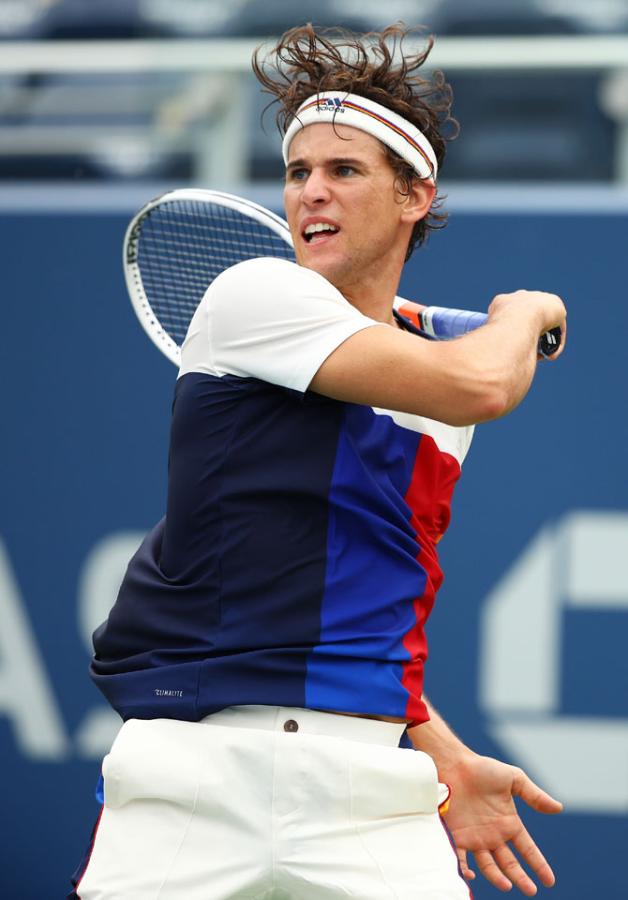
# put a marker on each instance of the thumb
(533, 795)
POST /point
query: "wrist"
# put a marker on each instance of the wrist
(456, 766)
(540, 310)
(449, 753)
(519, 316)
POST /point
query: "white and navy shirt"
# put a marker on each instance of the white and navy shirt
(296, 564)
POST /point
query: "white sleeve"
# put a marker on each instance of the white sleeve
(269, 319)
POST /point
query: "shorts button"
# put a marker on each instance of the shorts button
(290, 725)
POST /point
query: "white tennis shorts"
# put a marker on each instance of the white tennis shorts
(269, 802)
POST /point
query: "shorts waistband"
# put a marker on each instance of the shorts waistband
(294, 720)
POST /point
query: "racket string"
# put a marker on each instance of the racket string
(184, 245)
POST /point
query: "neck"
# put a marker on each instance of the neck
(374, 301)
(373, 292)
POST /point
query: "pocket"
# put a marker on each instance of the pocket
(395, 797)
(388, 782)
(154, 759)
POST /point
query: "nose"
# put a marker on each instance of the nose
(316, 190)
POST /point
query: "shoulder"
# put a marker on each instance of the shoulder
(249, 268)
(264, 273)
(270, 319)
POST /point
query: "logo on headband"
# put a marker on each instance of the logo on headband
(330, 104)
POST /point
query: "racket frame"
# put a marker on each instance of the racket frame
(130, 253)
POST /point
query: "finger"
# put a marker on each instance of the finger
(467, 873)
(511, 868)
(533, 795)
(531, 854)
(491, 871)
(563, 338)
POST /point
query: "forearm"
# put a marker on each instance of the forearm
(493, 366)
(491, 369)
(472, 379)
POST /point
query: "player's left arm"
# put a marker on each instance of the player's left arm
(482, 817)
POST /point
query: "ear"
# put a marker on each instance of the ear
(417, 203)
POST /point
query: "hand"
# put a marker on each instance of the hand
(483, 820)
(547, 310)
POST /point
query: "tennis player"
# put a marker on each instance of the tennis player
(266, 650)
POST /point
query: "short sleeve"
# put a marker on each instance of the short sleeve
(269, 319)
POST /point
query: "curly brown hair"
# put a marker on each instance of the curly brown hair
(307, 61)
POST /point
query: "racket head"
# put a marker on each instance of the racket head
(178, 243)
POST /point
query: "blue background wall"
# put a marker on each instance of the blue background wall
(86, 401)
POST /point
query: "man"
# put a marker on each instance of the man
(266, 650)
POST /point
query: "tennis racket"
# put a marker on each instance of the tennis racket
(180, 242)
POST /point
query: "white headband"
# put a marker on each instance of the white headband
(391, 129)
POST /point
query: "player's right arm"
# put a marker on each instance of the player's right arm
(480, 376)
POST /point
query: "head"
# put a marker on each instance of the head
(376, 67)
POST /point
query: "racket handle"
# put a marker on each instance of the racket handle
(443, 323)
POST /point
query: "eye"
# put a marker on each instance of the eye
(297, 174)
(345, 171)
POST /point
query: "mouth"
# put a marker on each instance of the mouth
(319, 232)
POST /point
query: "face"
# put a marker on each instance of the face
(347, 219)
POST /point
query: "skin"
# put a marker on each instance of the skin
(482, 817)
(340, 175)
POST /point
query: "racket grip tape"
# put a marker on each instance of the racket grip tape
(444, 323)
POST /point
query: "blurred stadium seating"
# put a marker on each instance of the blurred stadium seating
(516, 125)
(85, 19)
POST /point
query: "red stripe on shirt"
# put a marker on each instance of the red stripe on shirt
(429, 497)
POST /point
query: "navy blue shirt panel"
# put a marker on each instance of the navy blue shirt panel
(187, 623)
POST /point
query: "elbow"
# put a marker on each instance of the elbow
(496, 387)
(482, 400)
(478, 409)
(486, 389)
(493, 403)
